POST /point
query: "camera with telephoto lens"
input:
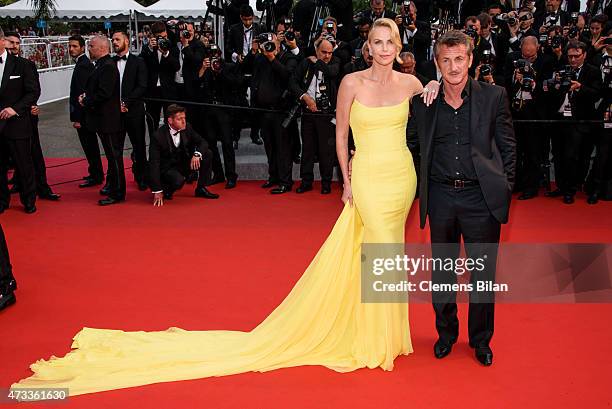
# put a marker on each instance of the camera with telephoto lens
(563, 78)
(525, 68)
(266, 41)
(486, 67)
(289, 34)
(163, 43)
(504, 18)
(525, 17)
(607, 71)
(471, 31)
(551, 21)
(323, 102)
(557, 42)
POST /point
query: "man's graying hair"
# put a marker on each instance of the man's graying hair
(454, 38)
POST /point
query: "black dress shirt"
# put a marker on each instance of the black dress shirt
(452, 158)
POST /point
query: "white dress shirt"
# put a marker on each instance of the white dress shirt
(121, 67)
(3, 64)
(246, 45)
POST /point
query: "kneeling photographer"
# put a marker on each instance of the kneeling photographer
(314, 84)
(219, 83)
(526, 70)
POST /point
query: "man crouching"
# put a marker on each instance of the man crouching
(176, 150)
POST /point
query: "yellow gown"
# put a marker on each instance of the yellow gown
(321, 322)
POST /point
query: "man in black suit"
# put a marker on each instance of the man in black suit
(378, 10)
(468, 156)
(8, 285)
(162, 64)
(103, 116)
(573, 144)
(416, 34)
(176, 150)
(241, 35)
(19, 91)
(551, 15)
(89, 140)
(133, 86)
(43, 190)
(314, 84)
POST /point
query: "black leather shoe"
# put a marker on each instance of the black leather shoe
(442, 349)
(109, 201)
(280, 190)
(268, 184)
(484, 356)
(257, 141)
(568, 199)
(304, 187)
(7, 300)
(29, 209)
(216, 180)
(527, 196)
(231, 183)
(205, 193)
(554, 193)
(50, 196)
(593, 199)
(105, 191)
(142, 186)
(325, 189)
(90, 182)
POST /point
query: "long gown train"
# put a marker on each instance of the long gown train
(321, 322)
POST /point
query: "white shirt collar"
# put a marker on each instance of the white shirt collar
(4, 55)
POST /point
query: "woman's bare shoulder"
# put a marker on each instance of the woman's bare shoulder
(410, 84)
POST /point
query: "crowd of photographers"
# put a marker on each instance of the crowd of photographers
(279, 77)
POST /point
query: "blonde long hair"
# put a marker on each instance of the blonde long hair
(395, 34)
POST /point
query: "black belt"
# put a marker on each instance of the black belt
(458, 183)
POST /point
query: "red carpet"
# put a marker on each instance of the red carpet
(225, 264)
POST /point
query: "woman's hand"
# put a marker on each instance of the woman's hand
(347, 194)
(430, 92)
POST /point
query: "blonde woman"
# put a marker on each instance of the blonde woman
(323, 320)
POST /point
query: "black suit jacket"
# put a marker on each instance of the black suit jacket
(540, 18)
(163, 155)
(582, 100)
(235, 39)
(19, 90)
(493, 146)
(305, 71)
(82, 70)
(134, 85)
(543, 67)
(101, 103)
(164, 70)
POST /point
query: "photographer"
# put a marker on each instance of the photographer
(229, 10)
(472, 29)
(595, 40)
(363, 26)
(219, 82)
(241, 35)
(314, 84)
(552, 16)
(526, 71)
(574, 92)
(377, 10)
(162, 61)
(416, 35)
(497, 52)
(287, 38)
(359, 64)
(269, 84)
(599, 181)
(342, 49)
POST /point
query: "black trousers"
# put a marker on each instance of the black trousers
(532, 148)
(113, 149)
(572, 146)
(278, 148)
(38, 160)
(21, 152)
(135, 128)
(219, 128)
(154, 109)
(174, 177)
(455, 214)
(89, 142)
(318, 139)
(6, 270)
(600, 177)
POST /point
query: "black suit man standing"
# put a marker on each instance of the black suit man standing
(133, 86)
(468, 157)
(103, 116)
(19, 91)
(89, 141)
(176, 150)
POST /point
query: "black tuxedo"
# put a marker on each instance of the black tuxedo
(540, 19)
(163, 71)
(235, 39)
(103, 116)
(473, 211)
(83, 68)
(133, 90)
(170, 165)
(19, 90)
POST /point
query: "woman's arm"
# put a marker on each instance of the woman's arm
(346, 94)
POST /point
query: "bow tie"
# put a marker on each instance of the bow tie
(175, 133)
(124, 58)
(246, 30)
